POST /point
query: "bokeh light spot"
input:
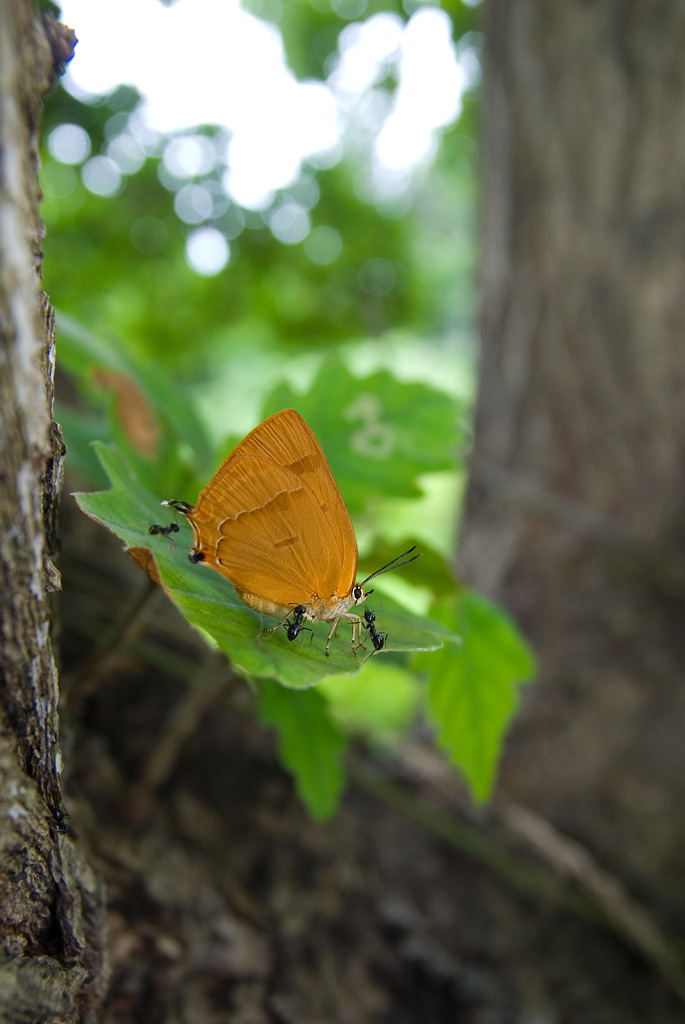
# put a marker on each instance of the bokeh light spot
(189, 156)
(289, 223)
(126, 152)
(101, 176)
(323, 245)
(69, 143)
(207, 251)
(193, 204)
(349, 9)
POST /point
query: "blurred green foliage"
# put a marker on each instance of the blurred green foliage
(374, 346)
(471, 718)
(310, 743)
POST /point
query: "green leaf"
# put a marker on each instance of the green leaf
(378, 434)
(378, 704)
(84, 353)
(473, 691)
(210, 603)
(310, 745)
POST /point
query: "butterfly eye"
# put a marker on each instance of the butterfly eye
(358, 593)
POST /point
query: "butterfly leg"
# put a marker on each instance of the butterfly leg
(360, 643)
(357, 623)
(356, 630)
(334, 630)
(272, 629)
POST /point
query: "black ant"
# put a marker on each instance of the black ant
(295, 627)
(377, 639)
(164, 530)
(60, 824)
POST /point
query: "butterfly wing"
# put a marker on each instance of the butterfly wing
(273, 520)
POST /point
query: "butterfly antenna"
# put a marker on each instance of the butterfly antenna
(180, 506)
(395, 563)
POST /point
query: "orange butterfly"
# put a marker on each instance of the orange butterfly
(273, 521)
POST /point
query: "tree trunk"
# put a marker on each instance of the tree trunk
(50, 966)
(575, 514)
(225, 903)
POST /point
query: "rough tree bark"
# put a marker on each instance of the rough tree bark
(575, 517)
(225, 904)
(51, 952)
